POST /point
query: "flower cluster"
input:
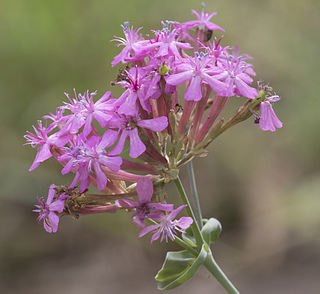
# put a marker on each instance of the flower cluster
(164, 118)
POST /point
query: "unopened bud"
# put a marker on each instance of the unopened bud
(163, 70)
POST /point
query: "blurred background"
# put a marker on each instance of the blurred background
(264, 187)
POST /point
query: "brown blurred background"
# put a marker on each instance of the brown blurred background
(263, 187)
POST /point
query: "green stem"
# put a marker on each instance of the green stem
(185, 200)
(185, 245)
(214, 268)
(194, 193)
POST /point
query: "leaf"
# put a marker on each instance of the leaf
(211, 230)
(179, 267)
(188, 237)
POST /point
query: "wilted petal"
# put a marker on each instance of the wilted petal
(53, 222)
(51, 194)
(57, 206)
(268, 120)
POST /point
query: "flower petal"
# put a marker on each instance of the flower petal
(144, 190)
(156, 124)
(136, 145)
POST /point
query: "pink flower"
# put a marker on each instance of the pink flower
(197, 70)
(135, 48)
(203, 21)
(268, 120)
(144, 208)
(128, 128)
(85, 111)
(235, 74)
(41, 140)
(136, 91)
(167, 44)
(167, 226)
(48, 211)
(89, 157)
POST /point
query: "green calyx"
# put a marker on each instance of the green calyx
(163, 70)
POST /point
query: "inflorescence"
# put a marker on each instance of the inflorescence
(134, 144)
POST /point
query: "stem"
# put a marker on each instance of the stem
(214, 268)
(194, 193)
(185, 200)
(185, 245)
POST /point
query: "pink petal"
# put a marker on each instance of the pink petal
(194, 90)
(54, 221)
(108, 139)
(148, 229)
(156, 124)
(113, 163)
(245, 90)
(216, 85)
(42, 155)
(185, 222)
(120, 145)
(136, 145)
(100, 176)
(51, 193)
(174, 212)
(179, 78)
(57, 206)
(144, 190)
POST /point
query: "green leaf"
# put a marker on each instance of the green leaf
(211, 230)
(188, 237)
(179, 267)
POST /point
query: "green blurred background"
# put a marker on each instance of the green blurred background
(263, 187)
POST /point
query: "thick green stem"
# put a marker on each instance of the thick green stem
(185, 200)
(194, 193)
(213, 268)
(209, 263)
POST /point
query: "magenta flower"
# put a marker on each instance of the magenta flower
(58, 119)
(84, 111)
(41, 140)
(235, 74)
(135, 48)
(268, 120)
(144, 208)
(167, 44)
(48, 211)
(196, 71)
(128, 126)
(89, 157)
(203, 21)
(167, 226)
(136, 91)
